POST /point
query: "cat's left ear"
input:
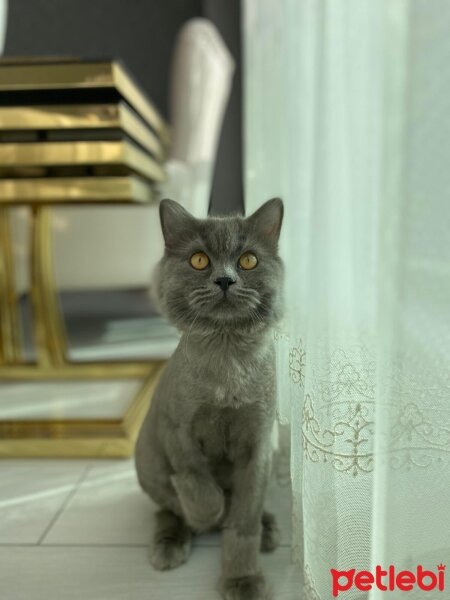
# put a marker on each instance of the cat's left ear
(176, 223)
(268, 218)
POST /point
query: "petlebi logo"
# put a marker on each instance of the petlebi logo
(388, 580)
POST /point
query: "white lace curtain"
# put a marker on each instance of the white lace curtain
(347, 118)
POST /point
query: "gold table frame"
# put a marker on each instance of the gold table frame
(105, 437)
(59, 96)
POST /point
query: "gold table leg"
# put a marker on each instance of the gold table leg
(10, 347)
(49, 330)
(54, 437)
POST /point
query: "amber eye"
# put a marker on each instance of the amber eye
(199, 261)
(248, 261)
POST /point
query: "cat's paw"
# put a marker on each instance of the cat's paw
(169, 554)
(202, 500)
(270, 535)
(250, 587)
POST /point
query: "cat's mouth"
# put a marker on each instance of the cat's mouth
(225, 296)
(238, 307)
(221, 301)
(235, 301)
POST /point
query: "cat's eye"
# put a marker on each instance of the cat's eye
(199, 261)
(248, 261)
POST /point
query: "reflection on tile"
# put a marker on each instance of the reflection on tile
(47, 573)
(67, 399)
(127, 339)
(31, 494)
(109, 507)
(110, 324)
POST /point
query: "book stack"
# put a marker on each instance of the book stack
(74, 131)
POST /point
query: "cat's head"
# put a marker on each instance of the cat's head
(220, 272)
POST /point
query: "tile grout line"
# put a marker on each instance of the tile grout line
(65, 503)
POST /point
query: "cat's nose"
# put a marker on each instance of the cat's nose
(224, 282)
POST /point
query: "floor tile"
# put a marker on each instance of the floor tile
(108, 508)
(31, 494)
(49, 573)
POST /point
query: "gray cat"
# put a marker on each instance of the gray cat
(204, 450)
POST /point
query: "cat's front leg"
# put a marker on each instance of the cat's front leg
(201, 499)
(241, 576)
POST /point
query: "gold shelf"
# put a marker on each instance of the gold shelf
(81, 117)
(75, 190)
(14, 157)
(78, 371)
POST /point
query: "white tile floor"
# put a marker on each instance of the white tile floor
(80, 529)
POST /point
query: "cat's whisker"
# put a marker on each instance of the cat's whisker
(256, 319)
(200, 291)
(185, 348)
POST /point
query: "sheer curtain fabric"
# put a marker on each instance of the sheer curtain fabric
(347, 108)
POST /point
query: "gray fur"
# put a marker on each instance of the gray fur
(204, 450)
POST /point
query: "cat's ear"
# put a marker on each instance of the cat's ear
(267, 220)
(176, 222)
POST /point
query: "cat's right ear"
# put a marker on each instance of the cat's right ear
(176, 222)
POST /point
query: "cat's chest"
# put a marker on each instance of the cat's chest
(226, 364)
(230, 378)
(225, 434)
